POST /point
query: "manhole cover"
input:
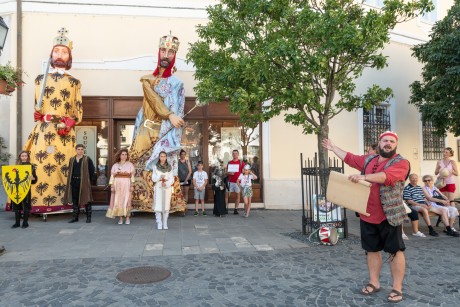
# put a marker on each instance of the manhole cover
(143, 275)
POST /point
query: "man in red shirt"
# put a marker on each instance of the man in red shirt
(376, 233)
(233, 178)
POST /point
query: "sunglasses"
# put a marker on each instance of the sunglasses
(427, 180)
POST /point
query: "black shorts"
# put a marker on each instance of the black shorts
(413, 215)
(383, 236)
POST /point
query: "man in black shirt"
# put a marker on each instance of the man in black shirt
(78, 191)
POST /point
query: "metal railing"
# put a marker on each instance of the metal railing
(316, 210)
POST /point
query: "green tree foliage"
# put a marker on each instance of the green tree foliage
(301, 57)
(437, 95)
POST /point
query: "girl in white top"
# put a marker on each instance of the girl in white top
(245, 183)
(162, 175)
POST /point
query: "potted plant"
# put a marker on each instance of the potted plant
(10, 78)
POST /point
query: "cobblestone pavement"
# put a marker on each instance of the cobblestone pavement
(288, 273)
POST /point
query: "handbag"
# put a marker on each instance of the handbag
(438, 196)
(440, 182)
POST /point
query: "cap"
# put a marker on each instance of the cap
(247, 166)
(391, 133)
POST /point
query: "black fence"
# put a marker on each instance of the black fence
(316, 210)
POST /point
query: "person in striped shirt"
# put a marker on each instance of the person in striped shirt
(415, 198)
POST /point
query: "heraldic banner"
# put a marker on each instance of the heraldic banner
(16, 181)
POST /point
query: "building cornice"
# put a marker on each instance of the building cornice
(157, 8)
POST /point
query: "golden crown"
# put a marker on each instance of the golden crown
(61, 39)
(169, 42)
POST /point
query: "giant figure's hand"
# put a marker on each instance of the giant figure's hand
(175, 120)
(66, 125)
(69, 122)
(38, 116)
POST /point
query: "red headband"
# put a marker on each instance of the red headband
(391, 133)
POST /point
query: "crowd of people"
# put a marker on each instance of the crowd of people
(82, 173)
(438, 200)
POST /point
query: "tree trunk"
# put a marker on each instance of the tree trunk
(323, 157)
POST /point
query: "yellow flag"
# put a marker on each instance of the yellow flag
(16, 181)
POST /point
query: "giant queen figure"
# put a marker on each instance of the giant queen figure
(52, 141)
(158, 127)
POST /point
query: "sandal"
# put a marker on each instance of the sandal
(394, 293)
(373, 290)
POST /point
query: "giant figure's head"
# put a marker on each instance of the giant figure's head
(168, 47)
(61, 54)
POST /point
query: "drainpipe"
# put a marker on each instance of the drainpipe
(19, 64)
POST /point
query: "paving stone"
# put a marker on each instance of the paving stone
(260, 261)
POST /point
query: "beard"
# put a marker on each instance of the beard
(60, 63)
(388, 154)
(165, 62)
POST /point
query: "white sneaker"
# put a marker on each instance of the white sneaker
(404, 237)
(419, 234)
(453, 229)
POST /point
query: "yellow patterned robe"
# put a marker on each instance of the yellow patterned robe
(48, 150)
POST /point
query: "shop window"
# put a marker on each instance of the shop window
(226, 136)
(192, 142)
(433, 144)
(126, 130)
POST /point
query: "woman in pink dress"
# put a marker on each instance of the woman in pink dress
(122, 185)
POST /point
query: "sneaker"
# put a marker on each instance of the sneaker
(404, 237)
(451, 233)
(235, 211)
(453, 229)
(196, 213)
(419, 234)
(434, 233)
(204, 213)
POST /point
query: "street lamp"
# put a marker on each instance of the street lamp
(3, 33)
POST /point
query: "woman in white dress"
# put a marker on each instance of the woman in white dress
(163, 178)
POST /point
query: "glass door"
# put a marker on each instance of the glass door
(124, 134)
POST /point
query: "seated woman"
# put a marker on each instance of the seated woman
(439, 204)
